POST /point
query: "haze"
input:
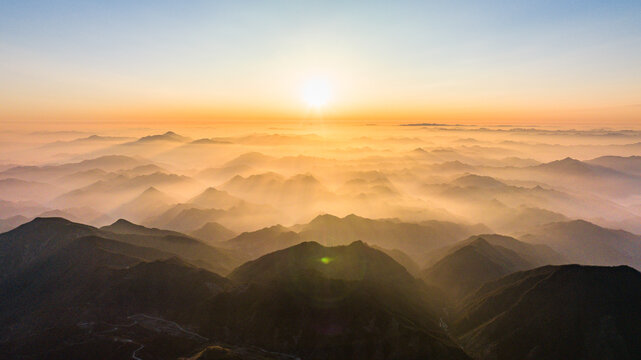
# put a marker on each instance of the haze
(320, 180)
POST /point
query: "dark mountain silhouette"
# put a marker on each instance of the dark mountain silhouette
(555, 312)
(85, 288)
(122, 226)
(41, 237)
(583, 242)
(346, 302)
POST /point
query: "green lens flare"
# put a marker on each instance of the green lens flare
(326, 260)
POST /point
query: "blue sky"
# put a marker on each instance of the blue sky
(82, 58)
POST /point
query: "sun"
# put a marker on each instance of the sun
(316, 92)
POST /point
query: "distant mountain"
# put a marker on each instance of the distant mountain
(630, 164)
(169, 136)
(414, 239)
(469, 266)
(149, 203)
(22, 190)
(12, 222)
(106, 163)
(24, 208)
(554, 312)
(300, 190)
(535, 254)
(213, 233)
(85, 215)
(212, 198)
(108, 192)
(263, 241)
(343, 302)
(472, 180)
(596, 178)
(583, 242)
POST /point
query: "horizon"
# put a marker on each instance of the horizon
(505, 62)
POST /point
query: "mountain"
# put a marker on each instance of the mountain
(212, 198)
(273, 188)
(149, 203)
(402, 258)
(105, 163)
(258, 243)
(169, 136)
(472, 180)
(122, 226)
(213, 233)
(24, 208)
(414, 239)
(596, 178)
(71, 303)
(630, 164)
(12, 189)
(345, 302)
(554, 312)
(12, 222)
(536, 254)
(109, 192)
(583, 242)
(41, 237)
(467, 267)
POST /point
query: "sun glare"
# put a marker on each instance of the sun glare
(316, 92)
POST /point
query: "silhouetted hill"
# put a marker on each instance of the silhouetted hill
(345, 302)
(39, 238)
(122, 226)
(555, 312)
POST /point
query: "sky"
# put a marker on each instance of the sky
(521, 62)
